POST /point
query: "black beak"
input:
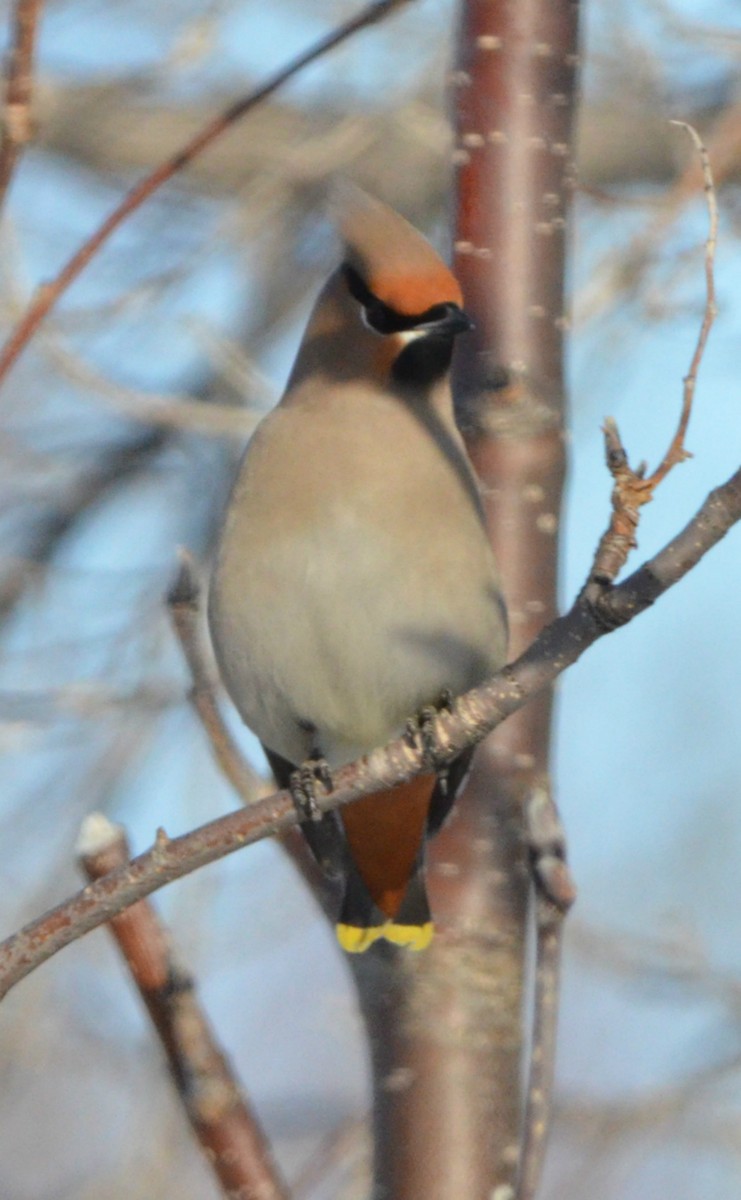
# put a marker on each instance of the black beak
(452, 321)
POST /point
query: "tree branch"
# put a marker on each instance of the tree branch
(621, 138)
(228, 1132)
(516, 98)
(17, 111)
(472, 716)
(555, 893)
(49, 293)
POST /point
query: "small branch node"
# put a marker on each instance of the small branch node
(186, 586)
(512, 680)
(555, 882)
(547, 846)
(606, 614)
(161, 840)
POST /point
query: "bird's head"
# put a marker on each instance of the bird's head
(401, 290)
(391, 312)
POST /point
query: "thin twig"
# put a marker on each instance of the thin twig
(626, 272)
(114, 466)
(677, 959)
(609, 1121)
(472, 716)
(676, 452)
(169, 412)
(49, 293)
(555, 893)
(228, 1132)
(17, 111)
(632, 488)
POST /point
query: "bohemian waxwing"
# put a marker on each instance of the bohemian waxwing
(354, 583)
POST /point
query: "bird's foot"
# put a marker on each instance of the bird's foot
(421, 729)
(303, 784)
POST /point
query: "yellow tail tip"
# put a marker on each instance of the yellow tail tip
(414, 937)
(356, 940)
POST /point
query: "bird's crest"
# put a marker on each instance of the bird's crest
(394, 260)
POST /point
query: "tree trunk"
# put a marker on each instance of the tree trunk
(446, 1026)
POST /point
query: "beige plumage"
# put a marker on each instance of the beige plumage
(354, 581)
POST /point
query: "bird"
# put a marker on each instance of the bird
(354, 584)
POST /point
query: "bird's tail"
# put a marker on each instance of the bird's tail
(385, 895)
(362, 922)
(376, 846)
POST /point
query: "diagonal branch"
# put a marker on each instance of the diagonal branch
(49, 293)
(17, 111)
(229, 1134)
(472, 716)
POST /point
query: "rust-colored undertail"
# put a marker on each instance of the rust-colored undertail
(385, 835)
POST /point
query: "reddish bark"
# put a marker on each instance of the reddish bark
(225, 1127)
(447, 1027)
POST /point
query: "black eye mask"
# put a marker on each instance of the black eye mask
(447, 318)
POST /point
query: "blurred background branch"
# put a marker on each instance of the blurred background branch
(47, 296)
(17, 127)
(233, 1143)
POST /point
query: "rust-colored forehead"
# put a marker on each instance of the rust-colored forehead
(412, 294)
(394, 259)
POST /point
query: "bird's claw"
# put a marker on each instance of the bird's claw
(303, 785)
(421, 730)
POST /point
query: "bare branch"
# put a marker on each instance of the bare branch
(167, 412)
(472, 716)
(229, 1133)
(17, 111)
(516, 91)
(49, 293)
(621, 139)
(555, 895)
(623, 274)
(676, 452)
(632, 488)
(114, 465)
